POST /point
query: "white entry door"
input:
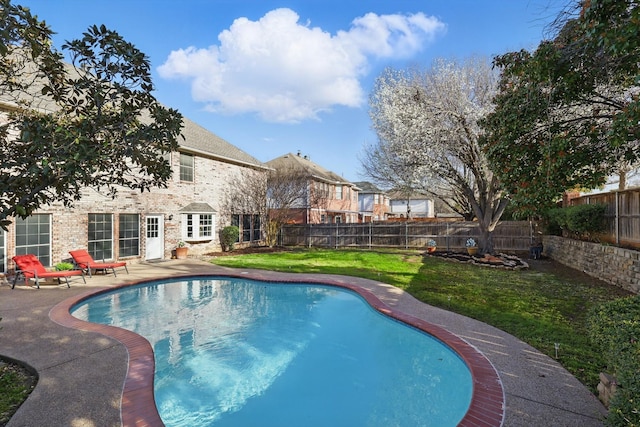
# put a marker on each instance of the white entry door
(155, 237)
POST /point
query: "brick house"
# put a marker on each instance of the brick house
(373, 203)
(143, 226)
(330, 198)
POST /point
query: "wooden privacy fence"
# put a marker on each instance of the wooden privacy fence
(622, 216)
(509, 236)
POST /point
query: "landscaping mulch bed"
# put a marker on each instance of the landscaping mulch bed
(510, 262)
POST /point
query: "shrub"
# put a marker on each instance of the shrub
(615, 328)
(62, 266)
(580, 221)
(554, 221)
(228, 237)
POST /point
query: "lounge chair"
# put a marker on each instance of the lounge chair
(30, 267)
(85, 262)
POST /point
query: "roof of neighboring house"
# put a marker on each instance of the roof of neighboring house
(302, 163)
(367, 187)
(414, 195)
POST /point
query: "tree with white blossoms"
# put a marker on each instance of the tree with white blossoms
(428, 136)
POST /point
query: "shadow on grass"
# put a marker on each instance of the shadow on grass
(545, 305)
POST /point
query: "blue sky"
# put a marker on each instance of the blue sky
(274, 77)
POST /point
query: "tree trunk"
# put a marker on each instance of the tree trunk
(486, 245)
(622, 184)
(487, 221)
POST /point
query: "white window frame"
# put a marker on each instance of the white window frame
(193, 227)
(338, 192)
(184, 168)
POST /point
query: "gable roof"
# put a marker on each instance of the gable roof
(413, 195)
(367, 187)
(197, 139)
(202, 141)
(297, 162)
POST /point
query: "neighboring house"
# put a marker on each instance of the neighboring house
(330, 198)
(373, 203)
(414, 205)
(143, 226)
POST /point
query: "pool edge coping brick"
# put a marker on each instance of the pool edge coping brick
(138, 407)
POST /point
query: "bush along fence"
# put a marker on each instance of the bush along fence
(621, 216)
(509, 236)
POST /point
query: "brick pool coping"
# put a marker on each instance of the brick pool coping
(138, 407)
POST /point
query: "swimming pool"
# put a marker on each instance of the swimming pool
(232, 351)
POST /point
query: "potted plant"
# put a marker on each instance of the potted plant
(472, 247)
(431, 245)
(181, 251)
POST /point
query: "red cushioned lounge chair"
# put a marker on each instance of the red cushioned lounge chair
(85, 261)
(30, 267)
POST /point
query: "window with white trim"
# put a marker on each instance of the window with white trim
(338, 192)
(100, 236)
(186, 167)
(33, 236)
(197, 226)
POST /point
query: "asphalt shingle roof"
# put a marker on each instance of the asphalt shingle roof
(196, 138)
(199, 139)
(302, 163)
(367, 187)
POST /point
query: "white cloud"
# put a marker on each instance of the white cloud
(289, 72)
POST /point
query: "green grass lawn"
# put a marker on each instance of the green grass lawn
(541, 308)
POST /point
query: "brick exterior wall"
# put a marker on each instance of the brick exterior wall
(70, 225)
(618, 266)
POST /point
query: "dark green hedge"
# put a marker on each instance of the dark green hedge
(580, 221)
(615, 328)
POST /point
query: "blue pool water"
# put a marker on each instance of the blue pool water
(234, 352)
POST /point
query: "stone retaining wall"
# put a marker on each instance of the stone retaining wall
(618, 266)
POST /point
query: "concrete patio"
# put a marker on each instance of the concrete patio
(81, 374)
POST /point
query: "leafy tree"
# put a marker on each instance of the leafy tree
(91, 123)
(428, 133)
(566, 114)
